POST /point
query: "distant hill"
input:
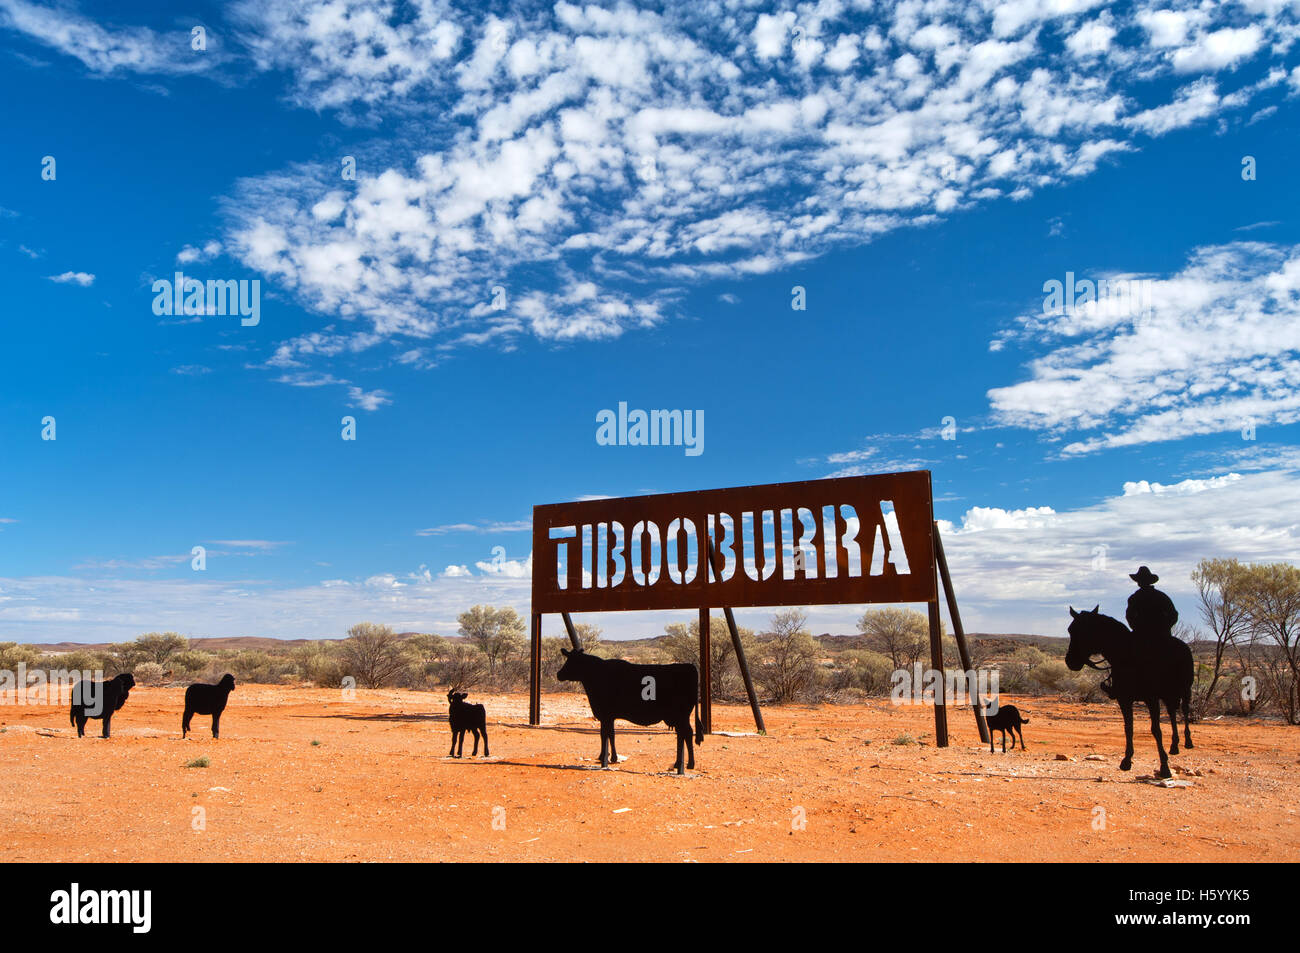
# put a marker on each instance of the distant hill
(242, 643)
(260, 643)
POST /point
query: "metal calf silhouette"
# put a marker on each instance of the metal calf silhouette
(465, 717)
(99, 700)
(211, 700)
(1151, 671)
(641, 694)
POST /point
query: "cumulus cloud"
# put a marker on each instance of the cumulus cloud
(1015, 569)
(508, 568)
(1036, 561)
(564, 172)
(85, 279)
(601, 159)
(108, 50)
(190, 253)
(1216, 350)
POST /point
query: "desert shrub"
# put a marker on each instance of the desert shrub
(865, 671)
(151, 673)
(192, 664)
(374, 655)
(512, 674)
(257, 667)
(1014, 674)
(1050, 676)
(462, 666)
(319, 663)
(12, 654)
(682, 644)
(81, 660)
(159, 647)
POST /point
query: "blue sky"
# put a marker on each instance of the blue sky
(646, 186)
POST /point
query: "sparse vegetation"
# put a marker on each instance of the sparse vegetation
(1248, 655)
(202, 762)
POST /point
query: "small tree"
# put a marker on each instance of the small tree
(682, 644)
(497, 633)
(901, 634)
(1219, 589)
(786, 659)
(160, 647)
(588, 636)
(463, 666)
(373, 654)
(1272, 606)
(320, 663)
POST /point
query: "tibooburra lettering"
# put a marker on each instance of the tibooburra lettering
(190, 296)
(655, 428)
(101, 907)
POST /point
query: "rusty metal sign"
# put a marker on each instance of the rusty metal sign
(817, 542)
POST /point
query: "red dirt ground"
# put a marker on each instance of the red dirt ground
(378, 786)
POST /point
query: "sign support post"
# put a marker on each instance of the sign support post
(960, 635)
(706, 673)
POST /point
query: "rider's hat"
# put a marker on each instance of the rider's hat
(1144, 577)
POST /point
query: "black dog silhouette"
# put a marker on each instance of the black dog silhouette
(201, 699)
(99, 700)
(1006, 718)
(1149, 670)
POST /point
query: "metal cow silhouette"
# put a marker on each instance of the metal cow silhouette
(641, 694)
(1149, 671)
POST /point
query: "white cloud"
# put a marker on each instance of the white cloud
(82, 278)
(511, 526)
(600, 159)
(103, 50)
(367, 400)
(1222, 48)
(1015, 570)
(190, 253)
(508, 568)
(1032, 563)
(1218, 351)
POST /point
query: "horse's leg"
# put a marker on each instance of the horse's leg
(1172, 706)
(1126, 709)
(1153, 705)
(1187, 721)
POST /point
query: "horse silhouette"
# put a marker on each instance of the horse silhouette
(1147, 670)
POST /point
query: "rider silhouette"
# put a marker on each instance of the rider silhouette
(1151, 613)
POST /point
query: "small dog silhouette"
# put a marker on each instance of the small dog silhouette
(1007, 718)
